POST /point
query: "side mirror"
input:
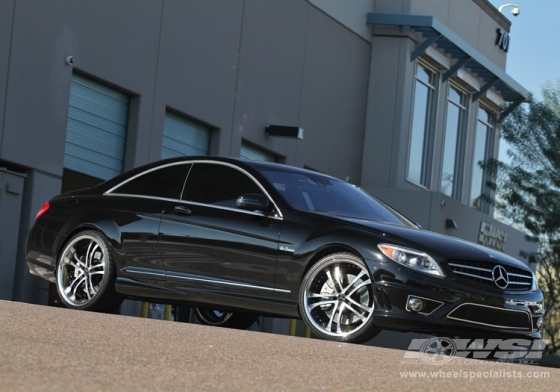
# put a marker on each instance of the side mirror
(254, 202)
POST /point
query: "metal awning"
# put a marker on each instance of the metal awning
(436, 33)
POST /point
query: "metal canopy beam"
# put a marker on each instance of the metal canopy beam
(510, 109)
(456, 67)
(429, 26)
(485, 88)
(424, 46)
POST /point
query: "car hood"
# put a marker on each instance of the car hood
(440, 247)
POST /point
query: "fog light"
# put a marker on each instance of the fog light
(415, 304)
(540, 323)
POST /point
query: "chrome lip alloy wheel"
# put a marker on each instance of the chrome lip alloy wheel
(81, 270)
(339, 298)
(212, 316)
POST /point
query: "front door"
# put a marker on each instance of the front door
(209, 244)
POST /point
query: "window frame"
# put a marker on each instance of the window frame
(430, 113)
(490, 127)
(460, 142)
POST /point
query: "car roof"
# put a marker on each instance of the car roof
(254, 167)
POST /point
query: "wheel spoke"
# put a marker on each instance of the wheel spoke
(360, 315)
(333, 282)
(364, 283)
(77, 283)
(77, 258)
(362, 273)
(359, 305)
(339, 318)
(329, 325)
(321, 303)
(321, 295)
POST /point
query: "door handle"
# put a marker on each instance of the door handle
(182, 210)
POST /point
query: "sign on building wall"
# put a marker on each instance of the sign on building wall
(492, 237)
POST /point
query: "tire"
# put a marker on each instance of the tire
(86, 273)
(217, 318)
(336, 299)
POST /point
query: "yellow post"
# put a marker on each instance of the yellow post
(167, 313)
(293, 327)
(307, 332)
(144, 310)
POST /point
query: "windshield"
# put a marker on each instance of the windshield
(307, 191)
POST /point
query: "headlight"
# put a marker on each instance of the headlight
(411, 258)
(535, 285)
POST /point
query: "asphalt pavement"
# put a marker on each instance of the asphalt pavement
(52, 349)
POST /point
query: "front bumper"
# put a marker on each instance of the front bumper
(451, 307)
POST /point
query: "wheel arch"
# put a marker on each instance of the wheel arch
(329, 250)
(108, 228)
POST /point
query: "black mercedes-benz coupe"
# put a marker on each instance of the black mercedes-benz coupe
(237, 239)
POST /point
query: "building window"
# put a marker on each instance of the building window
(255, 154)
(183, 137)
(483, 146)
(422, 124)
(453, 139)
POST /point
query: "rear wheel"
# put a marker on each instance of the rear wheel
(85, 273)
(237, 320)
(336, 299)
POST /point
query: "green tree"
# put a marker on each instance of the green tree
(527, 189)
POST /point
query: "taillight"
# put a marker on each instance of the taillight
(42, 210)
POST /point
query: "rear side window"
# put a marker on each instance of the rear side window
(218, 185)
(166, 182)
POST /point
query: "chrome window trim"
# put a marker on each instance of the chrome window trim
(145, 172)
(278, 215)
(492, 325)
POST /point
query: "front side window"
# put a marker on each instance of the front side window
(422, 124)
(482, 152)
(166, 182)
(218, 185)
(452, 151)
(307, 191)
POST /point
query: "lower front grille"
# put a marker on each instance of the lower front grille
(490, 316)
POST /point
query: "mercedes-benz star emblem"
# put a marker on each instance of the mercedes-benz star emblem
(500, 276)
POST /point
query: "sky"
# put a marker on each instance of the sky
(534, 54)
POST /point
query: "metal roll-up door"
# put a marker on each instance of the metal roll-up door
(254, 154)
(96, 131)
(182, 137)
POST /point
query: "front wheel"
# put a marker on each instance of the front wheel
(85, 273)
(336, 299)
(218, 318)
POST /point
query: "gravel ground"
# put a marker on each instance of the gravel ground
(53, 349)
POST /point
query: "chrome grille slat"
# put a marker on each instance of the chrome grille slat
(480, 272)
(474, 276)
(471, 267)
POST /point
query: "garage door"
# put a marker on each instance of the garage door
(96, 131)
(182, 137)
(255, 154)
